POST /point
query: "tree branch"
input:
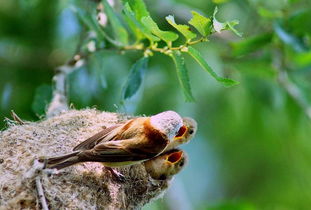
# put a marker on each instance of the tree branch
(291, 88)
(41, 193)
(59, 102)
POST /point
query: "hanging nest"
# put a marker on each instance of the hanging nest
(82, 186)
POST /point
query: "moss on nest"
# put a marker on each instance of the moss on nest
(82, 186)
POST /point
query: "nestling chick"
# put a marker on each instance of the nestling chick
(185, 133)
(166, 165)
(137, 140)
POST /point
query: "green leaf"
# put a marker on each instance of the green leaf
(42, 98)
(260, 68)
(135, 78)
(288, 38)
(139, 8)
(130, 19)
(139, 29)
(183, 29)
(219, 1)
(119, 31)
(251, 44)
(270, 14)
(228, 25)
(201, 23)
(198, 57)
(303, 59)
(296, 22)
(167, 36)
(88, 17)
(231, 24)
(182, 74)
(135, 10)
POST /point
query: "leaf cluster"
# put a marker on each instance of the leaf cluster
(135, 29)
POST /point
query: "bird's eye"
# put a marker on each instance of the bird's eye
(162, 177)
(191, 131)
(182, 163)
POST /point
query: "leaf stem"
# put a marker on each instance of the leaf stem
(164, 50)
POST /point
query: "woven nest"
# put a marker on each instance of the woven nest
(82, 186)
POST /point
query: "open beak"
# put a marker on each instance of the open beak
(181, 133)
(174, 157)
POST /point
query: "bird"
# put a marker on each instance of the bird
(136, 140)
(185, 133)
(164, 166)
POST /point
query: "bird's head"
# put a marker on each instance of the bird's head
(164, 166)
(168, 122)
(187, 131)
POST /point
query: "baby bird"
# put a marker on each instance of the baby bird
(185, 133)
(166, 165)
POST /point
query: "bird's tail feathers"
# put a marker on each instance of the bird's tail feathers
(62, 161)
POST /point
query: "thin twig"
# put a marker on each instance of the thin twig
(291, 88)
(34, 173)
(294, 92)
(16, 118)
(59, 102)
(40, 191)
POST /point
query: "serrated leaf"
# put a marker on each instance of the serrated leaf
(183, 29)
(42, 98)
(139, 8)
(201, 23)
(182, 75)
(251, 44)
(167, 36)
(228, 25)
(139, 29)
(135, 10)
(135, 78)
(198, 57)
(119, 31)
(130, 19)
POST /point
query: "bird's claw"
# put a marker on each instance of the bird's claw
(116, 175)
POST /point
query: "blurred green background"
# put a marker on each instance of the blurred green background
(253, 146)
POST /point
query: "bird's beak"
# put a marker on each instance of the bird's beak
(174, 157)
(181, 133)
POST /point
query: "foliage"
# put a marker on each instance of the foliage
(135, 20)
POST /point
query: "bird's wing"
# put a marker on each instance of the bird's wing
(116, 151)
(95, 139)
